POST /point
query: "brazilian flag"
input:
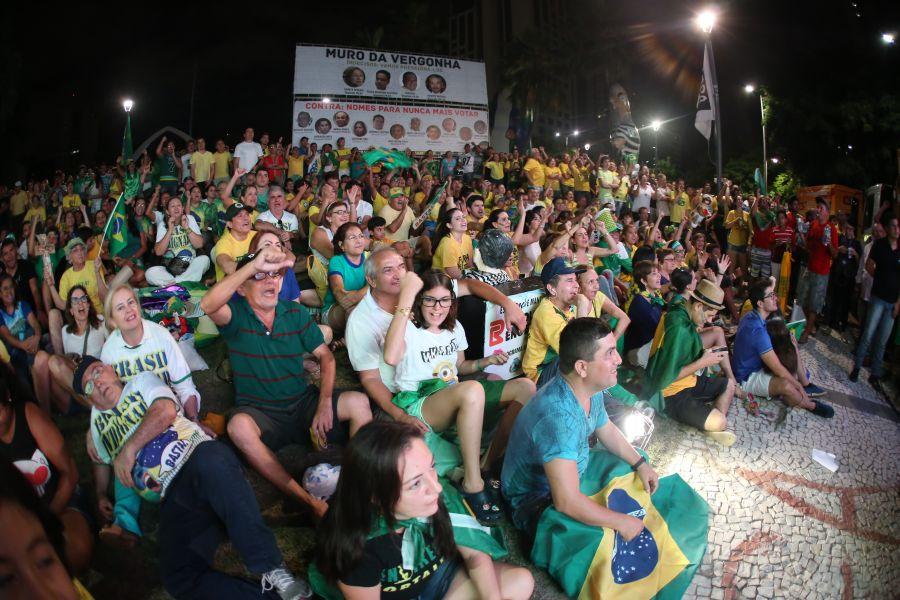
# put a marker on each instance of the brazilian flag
(392, 159)
(117, 228)
(595, 562)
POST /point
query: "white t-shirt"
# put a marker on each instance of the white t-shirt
(186, 165)
(74, 343)
(363, 210)
(179, 244)
(157, 353)
(642, 198)
(288, 220)
(662, 203)
(23, 250)
(160, 460)
(429, 356)
(467, 163)
(248, 153)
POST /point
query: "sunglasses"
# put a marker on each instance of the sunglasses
(92, 382)
(80, 300)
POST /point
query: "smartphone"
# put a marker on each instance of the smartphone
(720, 349)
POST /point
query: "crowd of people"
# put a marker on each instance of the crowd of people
(675, 292)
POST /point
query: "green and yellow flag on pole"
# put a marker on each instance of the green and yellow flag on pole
(595, 562)
(116, 229)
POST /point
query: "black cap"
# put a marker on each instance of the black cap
(558, 266)
(80, 369)
(234, 209)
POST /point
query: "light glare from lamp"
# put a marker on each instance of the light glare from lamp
(326, 100)
(888, 38)
(127, 105)
(656, 124)
(706, 20)
(749, 88)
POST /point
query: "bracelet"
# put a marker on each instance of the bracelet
(402, 311)
(637, 465)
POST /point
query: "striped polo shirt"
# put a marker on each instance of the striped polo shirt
(267, 366)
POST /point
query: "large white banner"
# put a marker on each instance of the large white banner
(383, 75)
(365, 124)
(498, 337)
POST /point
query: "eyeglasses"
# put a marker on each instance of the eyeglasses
(355, 237)
(92, 382)
(340, 212)
(430, 301)
(80, 300)
(270, 274)
(770, 295)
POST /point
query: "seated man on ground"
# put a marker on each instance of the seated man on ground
(701, 401)
(549, 445)
(541, 356)
(756, 365)
(132, 426)
(267, 339)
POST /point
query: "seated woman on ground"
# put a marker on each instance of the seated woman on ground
(426, 345)
(83, 334)
(589, 281)
(347, 284)
(455, 251)
(21, 332)
(30, 441)
(388, 485)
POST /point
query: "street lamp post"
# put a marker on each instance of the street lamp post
(127, 148)
(656, 124)
(749, 88)
(706, 20)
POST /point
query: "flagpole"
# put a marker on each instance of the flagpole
(109, 218)
(716, 112)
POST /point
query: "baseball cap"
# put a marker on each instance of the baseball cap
(86, 361)
(234, 209)
(396, 192)
(73, 243)
(558, 266)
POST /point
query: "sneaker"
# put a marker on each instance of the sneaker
(288, 587)
(875, 382)
(822, 410)
(854, 375)
(813, 391)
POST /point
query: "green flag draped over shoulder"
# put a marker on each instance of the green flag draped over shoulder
(758, 179)
(467, 532)
(595, 562)
(117, 228)
(678, 345)
(392, 159)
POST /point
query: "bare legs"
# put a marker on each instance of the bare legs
(462, 404)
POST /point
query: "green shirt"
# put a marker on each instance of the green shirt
(168, 170)
(206, 216)
(132, 185)
(268, 365)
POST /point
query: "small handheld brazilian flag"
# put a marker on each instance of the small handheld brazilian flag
(117, 228)
(392, 159)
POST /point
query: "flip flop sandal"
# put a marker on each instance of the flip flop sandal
(481, 506)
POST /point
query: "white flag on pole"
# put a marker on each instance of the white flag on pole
(705, 110)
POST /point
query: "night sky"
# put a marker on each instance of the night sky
(70, 67)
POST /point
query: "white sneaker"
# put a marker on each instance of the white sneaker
(288, 587)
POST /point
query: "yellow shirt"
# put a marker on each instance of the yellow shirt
(39, 212)
(542, 347)
(552, 172)
(390, 215)
(222, 160)
(566, 175)
(18, 203)
(496, 169)
(738, 235)
(313, 210)
(379, 203)
(679, 207)
(581, 176)
(201, 161)
(73, 201)
(85, 277)
(231, 247)
(344, 156)
(451, 253)
(622, 192)
(295, 167)
(597, 305)
(535, 172)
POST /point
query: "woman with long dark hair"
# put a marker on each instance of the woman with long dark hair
(454, 251)
(388, 533)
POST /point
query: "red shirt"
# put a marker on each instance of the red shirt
(819, 255)
(274, 165)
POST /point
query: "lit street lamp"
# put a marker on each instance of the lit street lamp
(127, 147)
(127, 105)
(888, 38)
(750, 88)
(656, 124)
(706, 20)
